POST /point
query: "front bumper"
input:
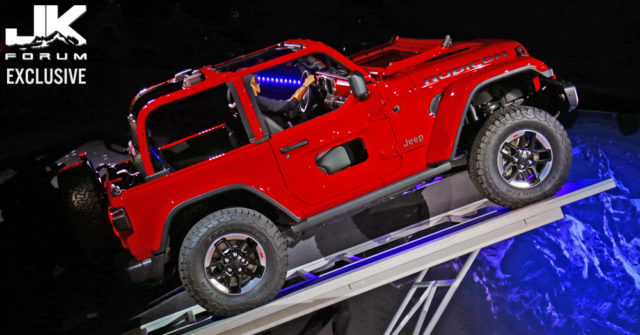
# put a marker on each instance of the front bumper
(571, 95)
(559, 96)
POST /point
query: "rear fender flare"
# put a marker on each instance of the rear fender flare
(217, 193)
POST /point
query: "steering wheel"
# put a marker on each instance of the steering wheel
(306, 97)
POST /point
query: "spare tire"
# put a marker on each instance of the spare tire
(86, 203)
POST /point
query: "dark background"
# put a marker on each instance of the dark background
(132, 45)
(135, 44)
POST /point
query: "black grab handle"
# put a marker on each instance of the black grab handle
(302, 143)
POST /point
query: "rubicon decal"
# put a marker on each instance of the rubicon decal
(49, 30)
(463, 68)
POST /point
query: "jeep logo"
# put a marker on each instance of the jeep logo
(412, 141)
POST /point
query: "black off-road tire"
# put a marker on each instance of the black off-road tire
(86, 204)
(224, 223)
(483, 166)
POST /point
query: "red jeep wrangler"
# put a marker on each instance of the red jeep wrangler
(218, 184)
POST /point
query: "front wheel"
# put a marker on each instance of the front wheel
(520, 155)
(233, 260)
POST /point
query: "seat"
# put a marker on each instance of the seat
(273, 126)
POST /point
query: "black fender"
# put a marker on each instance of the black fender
(217, 193)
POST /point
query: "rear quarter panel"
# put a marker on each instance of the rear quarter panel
(149, 204)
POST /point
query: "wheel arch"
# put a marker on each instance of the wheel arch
(183, 216)
(439, 152)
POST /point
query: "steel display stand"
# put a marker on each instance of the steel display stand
(322, 283)
(430, 290)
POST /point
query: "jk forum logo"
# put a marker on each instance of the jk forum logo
(49, 30)
(49, 27)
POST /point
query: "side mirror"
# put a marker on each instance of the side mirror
(358, 86)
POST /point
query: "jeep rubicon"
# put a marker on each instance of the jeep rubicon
(217, 188)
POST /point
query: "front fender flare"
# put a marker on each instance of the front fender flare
(453, 106)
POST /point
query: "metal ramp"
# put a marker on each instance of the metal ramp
(383, 260)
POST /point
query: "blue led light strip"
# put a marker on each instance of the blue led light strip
(278, 81)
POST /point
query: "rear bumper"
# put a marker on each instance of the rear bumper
(148, 268)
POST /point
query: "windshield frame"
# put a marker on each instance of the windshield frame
(258, 57)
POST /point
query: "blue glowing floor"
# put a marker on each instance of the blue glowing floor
(580, 275)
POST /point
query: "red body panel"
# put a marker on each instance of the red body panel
(149, 204)
(355, 119)
(400, 134)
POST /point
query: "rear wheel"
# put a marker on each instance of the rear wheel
(520, 155)
(233, 260)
